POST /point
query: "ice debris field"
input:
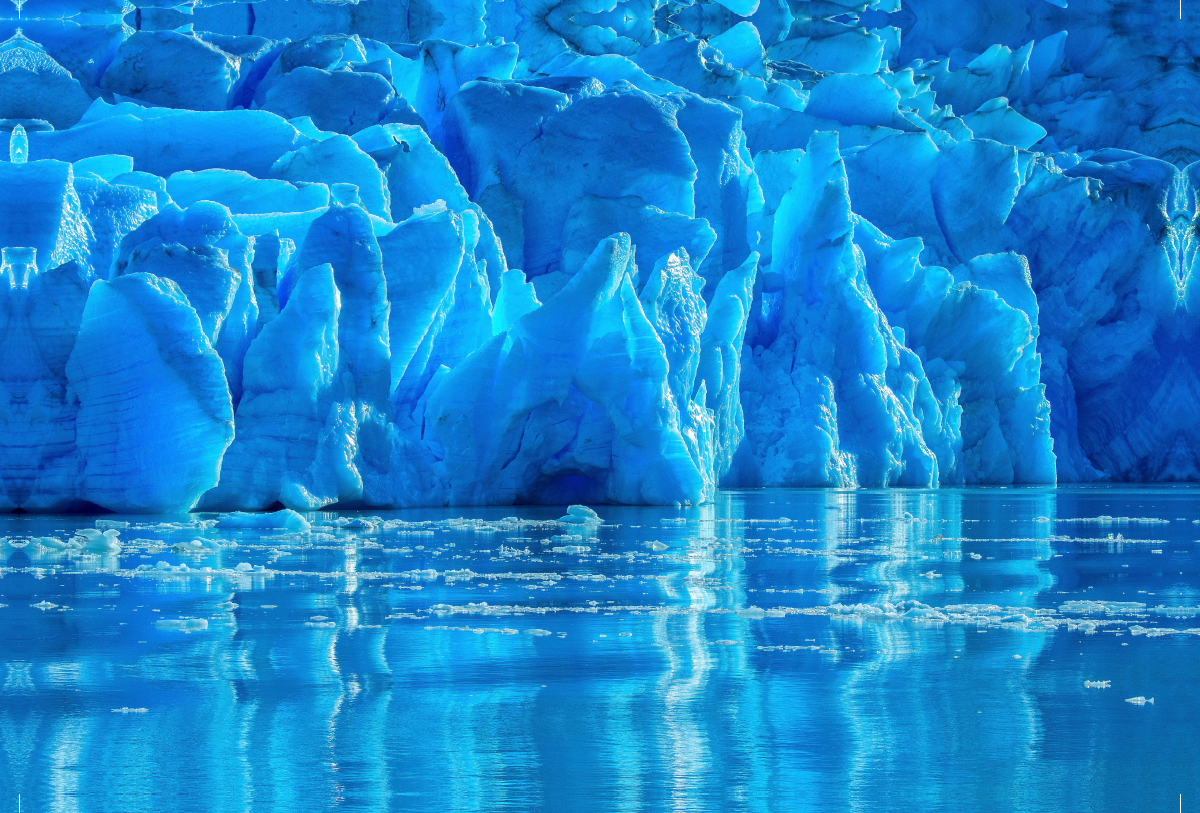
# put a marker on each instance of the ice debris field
(247, 553)
(385, 253)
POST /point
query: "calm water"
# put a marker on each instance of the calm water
(776, 651)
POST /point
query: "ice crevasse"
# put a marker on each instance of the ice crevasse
(311, 254)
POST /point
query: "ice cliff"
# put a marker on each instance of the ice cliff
(428, 252)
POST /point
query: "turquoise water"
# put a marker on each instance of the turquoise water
(776, 651)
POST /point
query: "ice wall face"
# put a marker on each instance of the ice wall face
(453, 251)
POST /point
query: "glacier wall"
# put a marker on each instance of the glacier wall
(427, 252)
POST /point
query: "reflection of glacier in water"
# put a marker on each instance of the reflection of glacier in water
(820, 650)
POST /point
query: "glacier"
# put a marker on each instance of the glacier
(300, 253)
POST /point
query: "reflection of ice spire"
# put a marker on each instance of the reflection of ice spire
(1180, 236)
(18, 4)
(18, 146)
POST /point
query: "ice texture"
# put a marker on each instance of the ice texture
(155, 416)
(304, 254)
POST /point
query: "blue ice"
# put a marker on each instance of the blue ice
(300, 254)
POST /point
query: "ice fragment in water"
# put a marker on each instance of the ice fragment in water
(580, 515)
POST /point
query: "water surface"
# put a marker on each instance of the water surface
(777, 651)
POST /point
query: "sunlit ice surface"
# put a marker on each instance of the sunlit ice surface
(979, 649)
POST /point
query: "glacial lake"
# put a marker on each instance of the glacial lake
(953, 650)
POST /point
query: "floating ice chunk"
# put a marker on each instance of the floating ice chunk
(1139, 700)
(426, 575)
(924, 613)
(94, 541)
(182, 624)
(287, 520)
(581, 515)
(1097, 684)
(166, 567)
